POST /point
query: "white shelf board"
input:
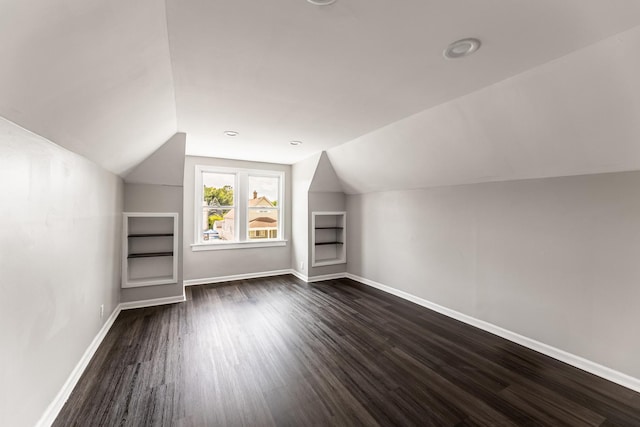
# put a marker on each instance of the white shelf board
(149, 281)
(328, 261)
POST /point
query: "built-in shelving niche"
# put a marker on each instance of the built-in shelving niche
(149, 249)
(328, 238)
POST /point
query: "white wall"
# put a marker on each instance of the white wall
(302, 175)
(229, 262)
(551, 259)
(165, 166)
(325, 194)
(315, 188)
(60, 224)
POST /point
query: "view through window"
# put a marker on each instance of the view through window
(218, 209)
(263, 211)
(239, 206)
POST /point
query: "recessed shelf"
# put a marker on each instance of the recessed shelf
(327, 261)
(149, 254)
(150, 281)
(149, 249)
(328, 245)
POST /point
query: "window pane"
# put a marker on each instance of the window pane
(263, 223)
(217, 206)
(218, 189)
(218, 224)
(264, 190)
(262, 217)
(238, 205)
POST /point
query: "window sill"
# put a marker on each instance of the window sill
(197, 247)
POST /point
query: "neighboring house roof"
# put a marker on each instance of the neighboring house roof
(260, 201)
(263, 222)
(255, 202)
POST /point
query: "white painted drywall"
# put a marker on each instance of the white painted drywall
(315, 188)
(552, 259)
(325, 195)
(575, 115)
(165, 166)
(60, 224)
(229, 262)
(325, 178)
(302, 174)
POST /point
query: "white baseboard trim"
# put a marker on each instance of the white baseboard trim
(58, 402)
(326, 277)
(561, 355)
(219, 279)
(152, 302)
(300, 275)
(612, 375)
(307, 279)
(61, 398)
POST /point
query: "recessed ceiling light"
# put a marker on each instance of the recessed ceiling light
(295, 143)
(461, 48)
(321, 2)
(231, 133)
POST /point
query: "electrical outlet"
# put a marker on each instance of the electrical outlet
(101, 311)
(302, 265)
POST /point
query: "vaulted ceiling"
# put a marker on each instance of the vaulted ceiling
(113, 80)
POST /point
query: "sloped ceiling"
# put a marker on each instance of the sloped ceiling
(114, 80)
(93, 76)
(576, 115)
(284, 70)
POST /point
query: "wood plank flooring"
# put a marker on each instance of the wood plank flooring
(280, 352)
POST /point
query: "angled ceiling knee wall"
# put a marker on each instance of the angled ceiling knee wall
(325, 194)
(156, 185)
(575, 115)
(165, 166)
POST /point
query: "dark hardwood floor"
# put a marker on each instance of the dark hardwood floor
(281, 352)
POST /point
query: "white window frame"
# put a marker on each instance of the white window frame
(240, 198)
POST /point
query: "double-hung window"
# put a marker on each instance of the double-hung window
(236, 207)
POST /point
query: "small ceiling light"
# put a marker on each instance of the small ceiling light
(231, 133)
(296, 143)
(321, 2)
(461, 48)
